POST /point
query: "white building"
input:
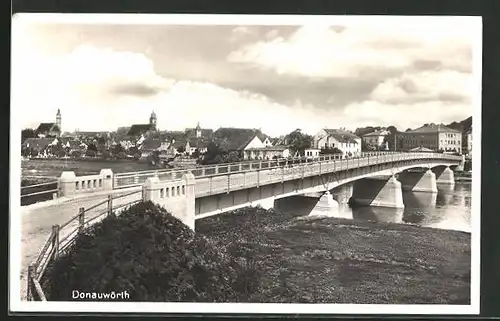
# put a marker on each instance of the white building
(312, 152)
(376, 138)
(345, 141)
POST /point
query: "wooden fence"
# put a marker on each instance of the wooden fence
(60, 240)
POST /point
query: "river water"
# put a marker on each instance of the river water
(449, 208)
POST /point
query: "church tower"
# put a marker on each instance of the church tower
(198, 130)
(58, 119)
(152, 121)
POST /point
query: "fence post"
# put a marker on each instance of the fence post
(55, 242)
(81, 219)
(110, 204)
(29, 290)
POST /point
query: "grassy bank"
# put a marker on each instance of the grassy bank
(331, 260)
(254, 255)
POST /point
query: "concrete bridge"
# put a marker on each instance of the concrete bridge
(200, 192)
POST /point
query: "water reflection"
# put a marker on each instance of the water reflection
(449, 208)
(379, 214)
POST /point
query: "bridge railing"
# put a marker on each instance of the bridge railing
(63, 236)
(123, 180)
(51, 188)
(222, 183)
(247, 178)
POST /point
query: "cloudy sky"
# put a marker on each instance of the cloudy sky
(274, 77)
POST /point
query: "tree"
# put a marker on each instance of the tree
(299, 141)
(215, 154)
(27, 133)
(196, 154)
(181, 149)
(329, 151)
(390, 139)
(232, 157)
(117, 149)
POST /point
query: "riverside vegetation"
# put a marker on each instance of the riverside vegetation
(257, 255)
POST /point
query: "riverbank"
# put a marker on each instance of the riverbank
(333, 260)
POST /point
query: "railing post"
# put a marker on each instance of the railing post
(55, 241)
(110, 204)
(81, 219)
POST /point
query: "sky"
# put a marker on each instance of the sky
(274, 77)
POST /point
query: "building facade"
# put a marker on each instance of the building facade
(376, 139)
(348, 143)
(467, 142)
(434, 137)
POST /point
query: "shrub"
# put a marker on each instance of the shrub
(152, 255)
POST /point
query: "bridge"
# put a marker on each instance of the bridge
(199, 192)
(195, 193)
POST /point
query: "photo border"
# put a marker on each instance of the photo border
(248, 308)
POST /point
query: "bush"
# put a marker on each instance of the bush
(152, 255)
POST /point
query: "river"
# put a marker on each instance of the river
(449, 208)
(54, 167)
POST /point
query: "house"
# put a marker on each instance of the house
(266, 152)
(89, 135)
(126, 144)
(50, 129)
(148, 146)
(37, 147)
(345, 141)
(376, 138)
(265, 139)
(181, 146)
(436, 137)
(312, 152)
(237, 139)
(197, 144)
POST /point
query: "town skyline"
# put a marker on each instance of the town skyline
(312, 76)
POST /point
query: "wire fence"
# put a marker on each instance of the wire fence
(63, 236)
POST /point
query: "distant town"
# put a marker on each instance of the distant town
(145, 142)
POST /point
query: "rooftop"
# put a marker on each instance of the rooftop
(432, 128)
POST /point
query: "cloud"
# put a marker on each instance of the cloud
(349, 82)
(323, 51)
(444, 86)
(405, 116)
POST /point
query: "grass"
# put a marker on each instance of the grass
(268, 256)
(330, 260)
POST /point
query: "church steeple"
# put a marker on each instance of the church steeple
(58, 119)
(198, 130)
(152, 121)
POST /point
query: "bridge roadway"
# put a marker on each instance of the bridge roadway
(37, 219)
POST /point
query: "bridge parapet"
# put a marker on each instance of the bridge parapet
(177, 196)
(71, 185)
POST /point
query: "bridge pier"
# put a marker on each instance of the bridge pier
(378, 191)
(326, 206)
(444, 176)
(419, 181)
